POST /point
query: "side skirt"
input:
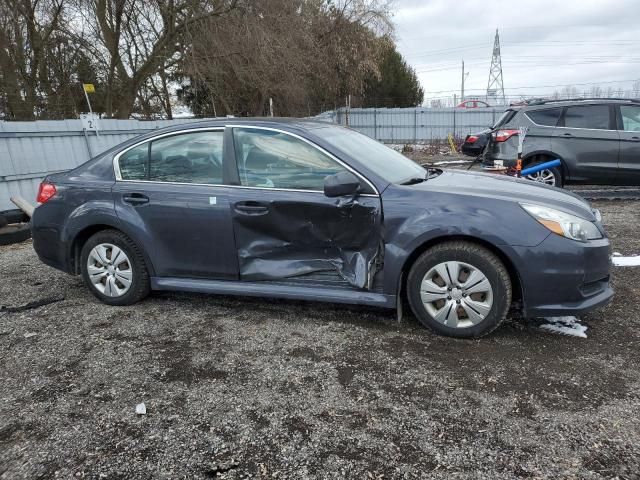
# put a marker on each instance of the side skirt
(263, 289)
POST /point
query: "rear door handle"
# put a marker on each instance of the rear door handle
(567, 134)
(635, 139)
(251, 208)
(135, 199)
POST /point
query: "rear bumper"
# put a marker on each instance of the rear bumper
(47, 242)
(564, 277)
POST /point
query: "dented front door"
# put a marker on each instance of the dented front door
(284, 225)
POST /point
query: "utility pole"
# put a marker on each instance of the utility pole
(495, 87)
(462, 87)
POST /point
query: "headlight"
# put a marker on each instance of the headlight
(569, 226)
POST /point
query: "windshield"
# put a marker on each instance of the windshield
(388, 164)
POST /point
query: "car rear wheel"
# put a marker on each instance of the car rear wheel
(113, 268)
(459, 289)
(548, 176)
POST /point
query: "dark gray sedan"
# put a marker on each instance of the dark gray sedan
(305, 210)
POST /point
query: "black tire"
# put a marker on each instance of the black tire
(15, 233)
(483, 260)
(3, 221)
(140, 285)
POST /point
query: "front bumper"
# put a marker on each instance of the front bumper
(564, 277)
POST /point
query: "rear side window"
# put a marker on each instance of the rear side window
(186, 158)
(630, 118)
(271, 159)
(548, 117)
(588, 116)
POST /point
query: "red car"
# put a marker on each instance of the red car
(473, 104)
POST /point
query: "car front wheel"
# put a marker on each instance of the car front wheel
(459, 289)
(113, 268)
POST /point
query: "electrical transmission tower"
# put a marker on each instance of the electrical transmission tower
(495, 87)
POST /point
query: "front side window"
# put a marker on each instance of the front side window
(630, 118)
(594, 117)
(547, 117)
(271, 159)
(184, 158)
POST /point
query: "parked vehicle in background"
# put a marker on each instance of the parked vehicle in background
(475, 143)
(597, 140)
(473, 104)
(294, 209)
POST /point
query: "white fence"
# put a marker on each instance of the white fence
(31, 150)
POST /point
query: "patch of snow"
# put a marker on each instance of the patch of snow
(565, 326)
(620, 261)
(141, 409)
(448, 162)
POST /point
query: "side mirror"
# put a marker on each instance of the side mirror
(341, 184)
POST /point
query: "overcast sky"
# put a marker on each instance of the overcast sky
(544, 43)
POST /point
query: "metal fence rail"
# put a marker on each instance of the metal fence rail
(31, 150)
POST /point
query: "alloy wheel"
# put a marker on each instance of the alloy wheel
(544, 176)
(456, 294)
(110, 270)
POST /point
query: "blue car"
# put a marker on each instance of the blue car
(306, 210)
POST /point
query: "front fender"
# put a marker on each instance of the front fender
(409, 227)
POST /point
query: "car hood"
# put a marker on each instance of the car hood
(509, 189)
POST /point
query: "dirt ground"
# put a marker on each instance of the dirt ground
(250, 388)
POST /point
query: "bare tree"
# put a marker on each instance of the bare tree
(28, 31)
(134, 41)
(298, 52)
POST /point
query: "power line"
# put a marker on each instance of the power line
(544, 86)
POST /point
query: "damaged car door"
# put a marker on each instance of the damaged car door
(286, 228)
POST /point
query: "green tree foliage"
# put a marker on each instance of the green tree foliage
(395, 85)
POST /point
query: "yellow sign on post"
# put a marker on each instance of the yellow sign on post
(89, 88)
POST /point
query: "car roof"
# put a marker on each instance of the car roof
(542, 103)
(286, 123)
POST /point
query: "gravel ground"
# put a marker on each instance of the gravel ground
(249, 388)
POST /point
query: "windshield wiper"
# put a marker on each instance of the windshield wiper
(413, 181)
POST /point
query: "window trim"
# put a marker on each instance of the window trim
(118, 173)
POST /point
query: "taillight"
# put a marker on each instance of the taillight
(46, 191)
(472, 139)
(504, 135)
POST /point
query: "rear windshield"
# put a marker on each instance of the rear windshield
(504, 118)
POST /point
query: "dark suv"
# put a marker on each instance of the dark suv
(597, 140)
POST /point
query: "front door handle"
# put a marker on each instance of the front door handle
(635, 139)
(135, 199)
(251, 208)
(567, 134)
